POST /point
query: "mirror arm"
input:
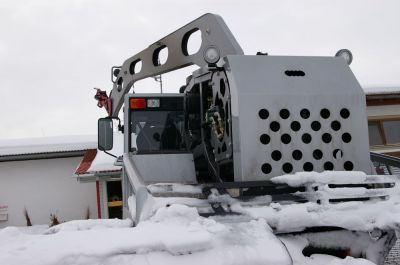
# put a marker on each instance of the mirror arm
(108, 153)
(120, 127)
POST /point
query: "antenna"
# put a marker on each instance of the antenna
(158, 78)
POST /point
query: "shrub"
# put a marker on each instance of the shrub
(87, 214)
(27, 218)
(54, 220)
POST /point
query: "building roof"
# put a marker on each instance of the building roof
(96, 163)
(381, 90)
(382, 96)
(46, 147)
(86, 162)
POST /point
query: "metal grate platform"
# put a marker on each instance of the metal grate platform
(393, 258)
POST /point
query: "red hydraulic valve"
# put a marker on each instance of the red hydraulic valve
(103, 100)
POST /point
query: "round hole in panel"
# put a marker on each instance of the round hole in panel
(275, 126)
(297, 154)
(135, 67)
(325, 113)
(337, 153)
(284, 113)
(346, 137)
(335, 125)
(306, 138)
(191, 42)
(276, 155)
(287, 168)
(308, 166)
(295, 126)
(285, 138)
(263, 113)
(348, 165)
(344, 113)
(160, 55)
(316, 126)
(317, 154)
(120, 83)
(265, 139)
(305, 113)
(326, 138)
(328, 166)
(266, 168)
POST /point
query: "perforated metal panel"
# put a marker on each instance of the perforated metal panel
(292, 114)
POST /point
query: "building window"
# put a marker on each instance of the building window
(392, 131)
(375, 136)
(384, 132)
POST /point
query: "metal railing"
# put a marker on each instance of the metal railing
(385, 165)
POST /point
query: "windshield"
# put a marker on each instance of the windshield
(153, 131)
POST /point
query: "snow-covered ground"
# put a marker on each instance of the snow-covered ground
(174, 235)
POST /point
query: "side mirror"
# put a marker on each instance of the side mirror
(105, 134)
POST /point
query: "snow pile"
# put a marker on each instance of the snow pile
(360, 216)
(174, 235)
(78, 225)
(353, 215)
(326, 177)
(33, 230)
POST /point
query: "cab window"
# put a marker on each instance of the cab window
(157, 131)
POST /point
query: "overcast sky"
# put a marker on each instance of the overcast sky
(53, 53)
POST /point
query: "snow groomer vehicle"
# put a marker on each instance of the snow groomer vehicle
(283, 138)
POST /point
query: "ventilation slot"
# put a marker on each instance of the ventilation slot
(294, 73)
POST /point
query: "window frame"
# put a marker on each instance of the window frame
(158, 151)
(379, 121)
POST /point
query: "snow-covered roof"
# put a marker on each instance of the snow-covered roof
(13, 147)
(96, 161)
(381, 90)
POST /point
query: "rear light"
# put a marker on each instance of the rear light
(153, 103)
(137, 103)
